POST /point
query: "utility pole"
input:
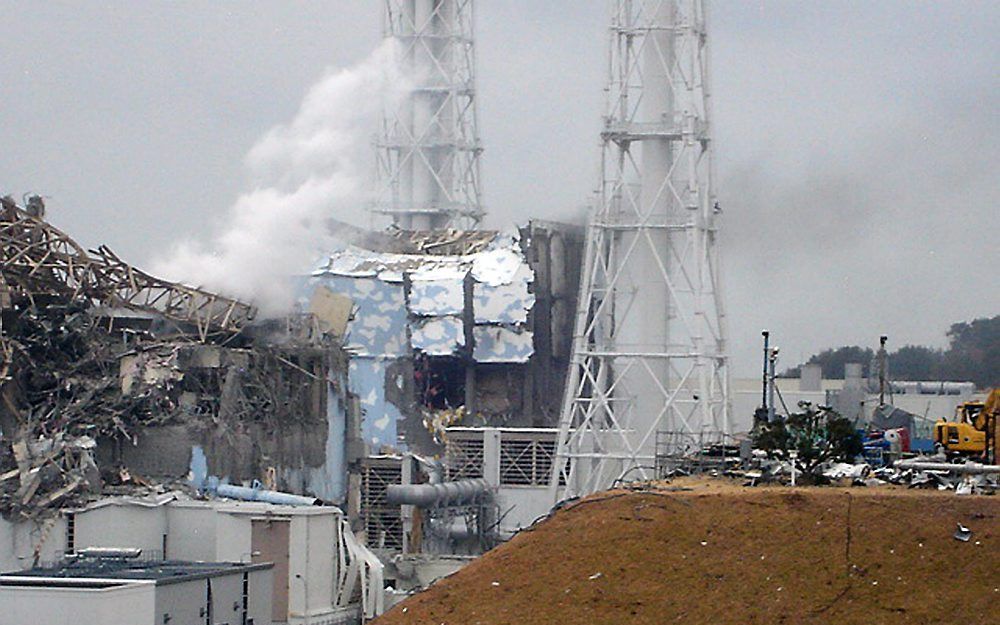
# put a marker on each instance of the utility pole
(649, 353)
(762, 414)
(772, 358)
(427, 150)
(882, 369)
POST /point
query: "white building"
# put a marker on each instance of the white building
(319, 566)
(115, 591)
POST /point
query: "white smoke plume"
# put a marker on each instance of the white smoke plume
(304, 172)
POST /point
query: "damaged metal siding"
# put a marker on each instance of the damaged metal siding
(423, 304)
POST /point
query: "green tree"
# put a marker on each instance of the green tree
(974, 352)
(817, 433)
(916, 362)
(973, 355)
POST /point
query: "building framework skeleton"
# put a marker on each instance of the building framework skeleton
(650, 340)
(427, 150)
(37, 256)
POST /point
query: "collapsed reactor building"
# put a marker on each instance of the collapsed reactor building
(415, 392)
(417, 387)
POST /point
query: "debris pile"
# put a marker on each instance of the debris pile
(64, 371)
(943, 476)
(95, 351)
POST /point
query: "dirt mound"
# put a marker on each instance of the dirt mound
(731, 555)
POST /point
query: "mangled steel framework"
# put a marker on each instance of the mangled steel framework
(36, 257)
(100, 356)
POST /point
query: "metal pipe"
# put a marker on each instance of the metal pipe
(882, 373)
(428, 495)
(122, 553)
(255, 493)
(969, 468)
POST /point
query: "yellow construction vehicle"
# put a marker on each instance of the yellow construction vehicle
(974, 430)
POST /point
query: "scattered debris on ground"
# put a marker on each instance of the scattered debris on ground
(960, 477)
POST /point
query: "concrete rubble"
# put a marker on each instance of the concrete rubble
(99, 357)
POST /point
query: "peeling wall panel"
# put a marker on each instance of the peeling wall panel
(438, 336)
(497, 266)
(379, 324)
(435, 298)
(379, 417)
(502, 344)
(504, 303)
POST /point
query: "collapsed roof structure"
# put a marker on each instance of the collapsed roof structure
(103, 364)
(412, 356)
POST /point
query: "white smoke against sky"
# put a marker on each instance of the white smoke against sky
(304, 173)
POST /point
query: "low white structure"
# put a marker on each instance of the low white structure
(24, 544)
(106, 592)
(517, 462)
(319, 566)
(929, 401)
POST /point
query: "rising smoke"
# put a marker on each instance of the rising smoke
(304, 173)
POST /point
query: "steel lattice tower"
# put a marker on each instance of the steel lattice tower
(427, 150)
(649, 355)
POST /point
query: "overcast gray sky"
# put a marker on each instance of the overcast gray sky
(857, 142)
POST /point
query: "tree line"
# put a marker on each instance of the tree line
(972, 355)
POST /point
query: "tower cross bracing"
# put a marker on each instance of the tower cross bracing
(427, 150)
(649, 351)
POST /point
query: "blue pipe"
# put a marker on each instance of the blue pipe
(254, 492)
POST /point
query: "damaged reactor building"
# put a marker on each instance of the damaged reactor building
(403, 419)
(417, 388)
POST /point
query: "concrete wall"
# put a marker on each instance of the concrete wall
(193, 534)
(124, 526)
(233, 536)
(328, 481)
(129, 604)
(18, 541)
(526, 503)
(306, 448)
(308, 458)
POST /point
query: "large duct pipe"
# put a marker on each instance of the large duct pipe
(969, 468)
(245, 493)
(429, 495)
